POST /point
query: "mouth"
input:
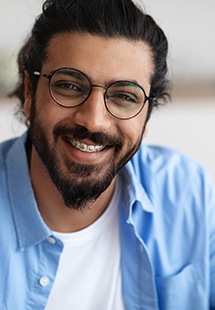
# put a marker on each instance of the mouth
(85, 147)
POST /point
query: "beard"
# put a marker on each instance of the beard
(79, 185)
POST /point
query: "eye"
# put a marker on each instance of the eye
(67, 85)
(69, 88)
(123, 99)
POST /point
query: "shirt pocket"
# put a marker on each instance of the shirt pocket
(182, 291)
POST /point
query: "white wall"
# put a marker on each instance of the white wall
(186, 126)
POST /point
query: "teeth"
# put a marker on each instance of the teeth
(86, 148)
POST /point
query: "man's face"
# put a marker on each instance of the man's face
(82, 148)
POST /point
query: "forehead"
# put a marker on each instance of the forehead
(101, 58)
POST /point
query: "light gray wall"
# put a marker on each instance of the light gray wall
(188, 24)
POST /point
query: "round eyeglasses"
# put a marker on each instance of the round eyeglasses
(70, 88)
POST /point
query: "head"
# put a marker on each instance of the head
(106, 18)
(106, 40)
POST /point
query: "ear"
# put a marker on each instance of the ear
(27, 95)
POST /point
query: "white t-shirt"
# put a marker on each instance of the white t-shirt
(89, 276)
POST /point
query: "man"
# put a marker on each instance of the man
(91, 218)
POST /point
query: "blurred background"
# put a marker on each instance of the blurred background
(188, 122)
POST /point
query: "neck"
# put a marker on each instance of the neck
(50, 203)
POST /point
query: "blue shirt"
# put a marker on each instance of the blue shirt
(167, 234)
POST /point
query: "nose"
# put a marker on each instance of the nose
(93, 114)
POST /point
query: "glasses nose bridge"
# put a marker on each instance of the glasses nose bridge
(99, 86)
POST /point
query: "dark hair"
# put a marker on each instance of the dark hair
(108, 18)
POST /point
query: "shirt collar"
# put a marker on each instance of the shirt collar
(29, 224)
(134, 191)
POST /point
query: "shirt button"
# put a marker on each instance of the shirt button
(51, 240)
(44, 281)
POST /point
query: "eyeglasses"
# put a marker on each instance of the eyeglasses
(70, 88)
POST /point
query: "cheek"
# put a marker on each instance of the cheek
(132, 133)
(44, 103)
(48, 112)
(135, 127)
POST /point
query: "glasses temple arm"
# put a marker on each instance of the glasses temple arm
(42, 74)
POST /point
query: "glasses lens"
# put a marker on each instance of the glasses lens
(69, 87)
(125, 99)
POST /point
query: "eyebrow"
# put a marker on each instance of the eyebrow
(75, 74)
(126, 83)
(81, 76)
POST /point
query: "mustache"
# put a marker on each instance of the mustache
(81, 133)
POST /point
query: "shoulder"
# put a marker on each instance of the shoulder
(182, 195)
(172, 177)
(11, 150)
(5, 147)
(163, 161)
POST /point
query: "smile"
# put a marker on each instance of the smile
(86, 148)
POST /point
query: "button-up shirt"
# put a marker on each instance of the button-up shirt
(167, 233)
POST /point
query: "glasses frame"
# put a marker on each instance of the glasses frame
(50, 75)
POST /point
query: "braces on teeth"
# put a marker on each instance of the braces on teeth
(85, 147)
